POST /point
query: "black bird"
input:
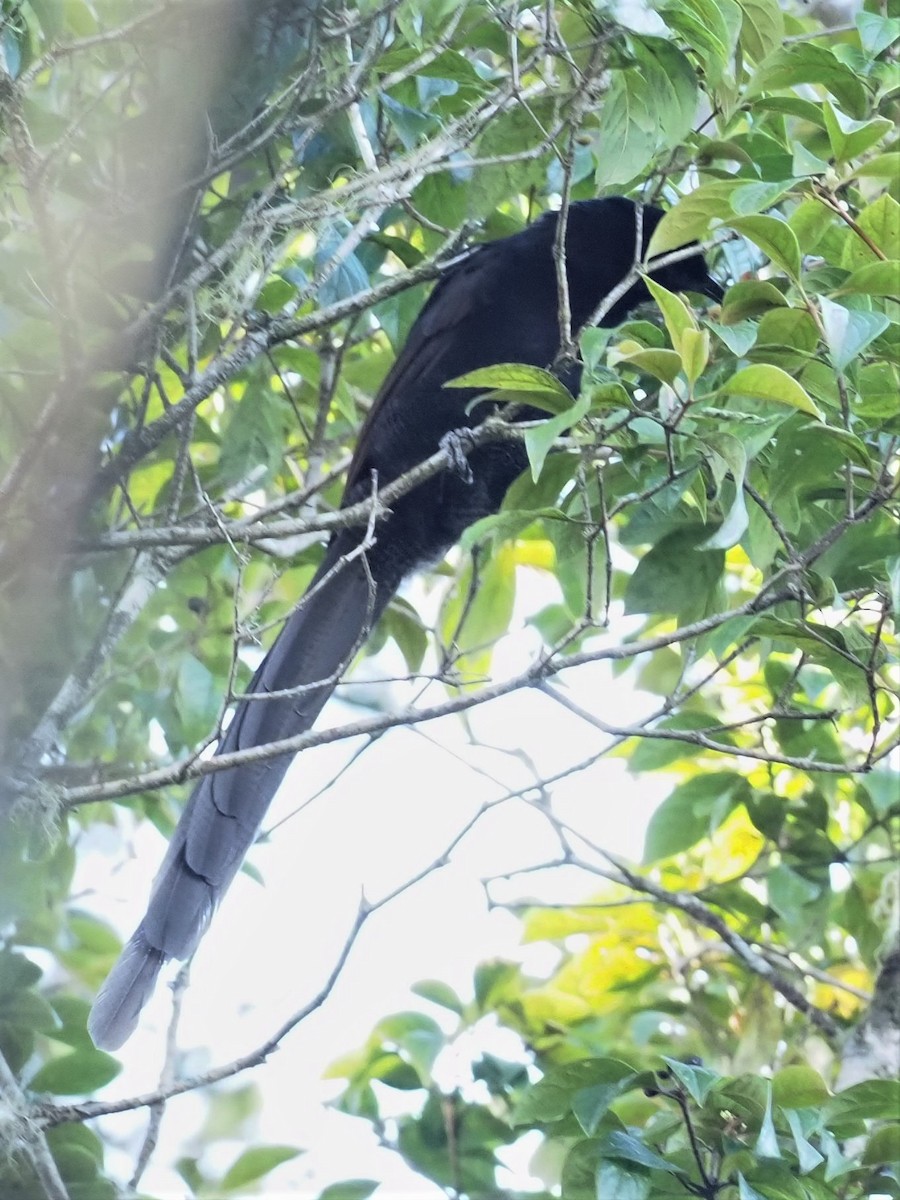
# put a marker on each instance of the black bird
(497, 304)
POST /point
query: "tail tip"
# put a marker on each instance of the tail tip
(114, 1015)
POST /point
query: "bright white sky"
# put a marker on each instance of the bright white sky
(391, 814)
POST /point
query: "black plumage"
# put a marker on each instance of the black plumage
(497, 304)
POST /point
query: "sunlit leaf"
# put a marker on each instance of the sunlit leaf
(254, 1164)
(766, 382)
(775, 238)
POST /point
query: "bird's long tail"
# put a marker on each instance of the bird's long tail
(223, 815)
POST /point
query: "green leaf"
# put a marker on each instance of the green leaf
(881, 784)
(649, 106)
(787, 338)
(849, 330)
(882, 166)
(29, 1010)
(518, 377)
(664, 365)
(439, 993)
(625, 140)
(495, 981)
(693, 811)
(554, 1096)
(539, 441)
(253, 441)
(790, 892)
(773, 1180)
(883, 1147)
(695, 353)
(419, 1038)
(765, 382)
(877, 33)
(623, 1145)
(699, 1081)
(752, 198)
(350, 1189)
(775, 238)
(875, 278)
(799, 1086)
(624, 1183)
(16, 972)
(408, 254)
(472, 622)
(879, 226)
(750, 298)
(654, 754)
(734, 455)
(340, 278)
(275, 295)
(513, 130)
(739, 338)
(809, 62)
(402, 623)
(76, 1074)
(255, 1163)
(590, 1105)
(872, 1100)
(95, 934)
(677, 316)
(762, 29)
(745, 1191)
(879, 386)
(675, 576)
(711, 27)
(410, 124)
(198, 696)
(851, 138)
(808, 1156)
(671, 84)
(689, 220)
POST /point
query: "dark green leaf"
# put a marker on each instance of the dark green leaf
(675, 576)
(76, 1074)
(874, 1099)
(762, 30)
(623, 1145)
(694, 810)
(554, 1096)
(624, 1183)
(811, 62)
(648, 107)
(698, 1081)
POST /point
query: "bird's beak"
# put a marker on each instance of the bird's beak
(713, 290)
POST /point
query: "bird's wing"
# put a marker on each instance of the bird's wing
(460, 293)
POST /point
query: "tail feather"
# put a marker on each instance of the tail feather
(223, 815)
(127, 989)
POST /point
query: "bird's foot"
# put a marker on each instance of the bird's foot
(457, 444)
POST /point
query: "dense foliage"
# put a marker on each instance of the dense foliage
(217, 222)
